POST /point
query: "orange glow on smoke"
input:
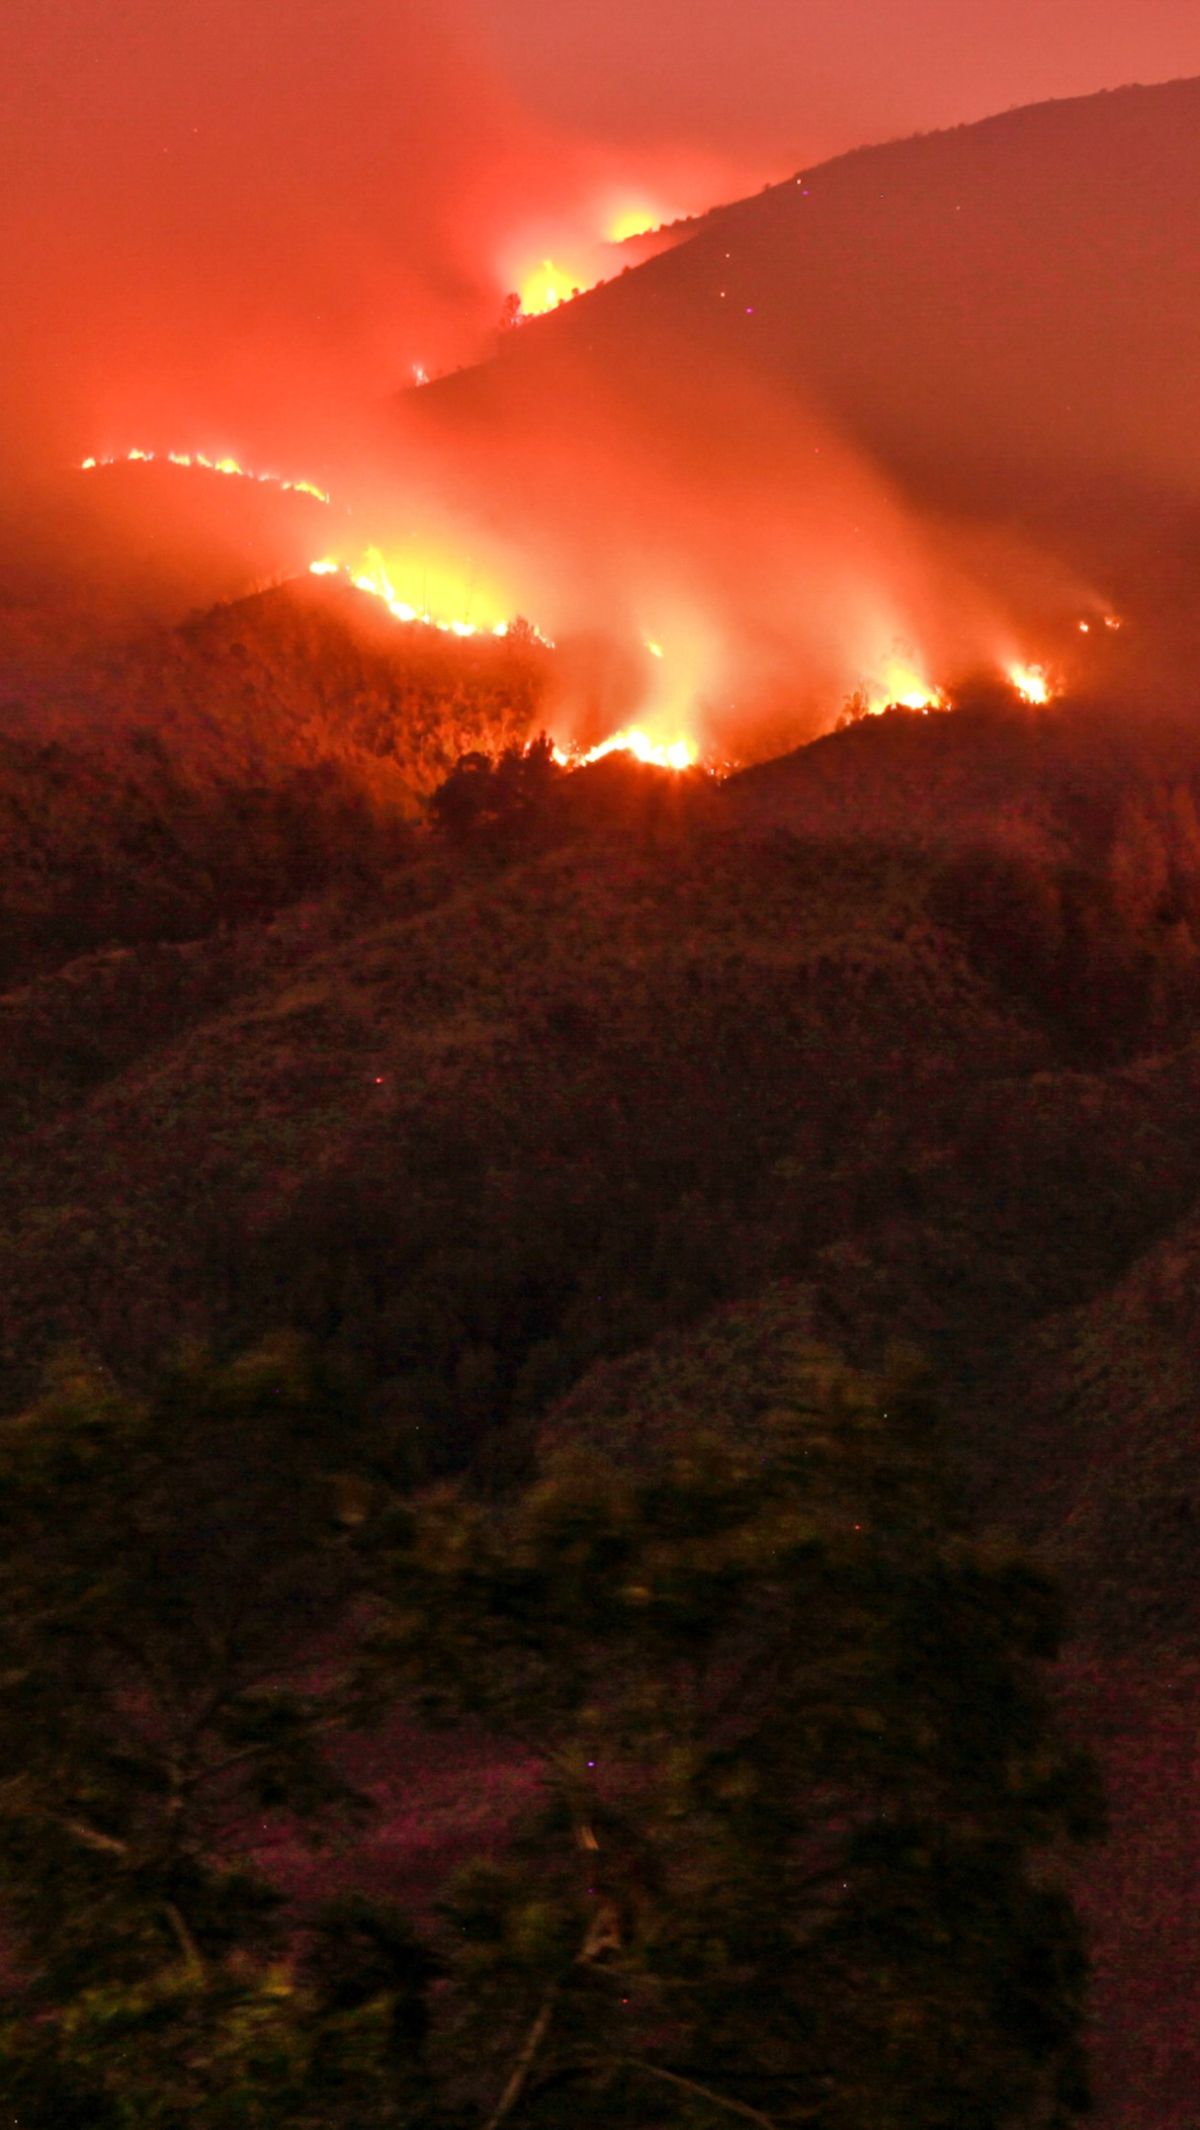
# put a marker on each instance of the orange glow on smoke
(375, 579)
(425, 591)
(632, 222)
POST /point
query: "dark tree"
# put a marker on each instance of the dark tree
(503, 804)
(799, 1786)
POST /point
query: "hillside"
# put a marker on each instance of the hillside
(1003, 315)
(157, 786)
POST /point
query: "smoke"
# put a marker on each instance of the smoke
(712, 556)
(228, 220)
(235, 230)
(229, 224)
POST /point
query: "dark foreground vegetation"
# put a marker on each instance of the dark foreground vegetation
(500, 1626)
(793, 1790)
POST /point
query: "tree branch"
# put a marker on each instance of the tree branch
(515, 2083)
(257, 1752)
(602, 1935)
(192, 1957)
(718, 2100)
(91, 1837)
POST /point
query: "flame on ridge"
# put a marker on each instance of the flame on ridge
(547, 285)
(617, 213)
(373, 577)
(902, 688)
(199, 458)
(658, 754)
(632, 222)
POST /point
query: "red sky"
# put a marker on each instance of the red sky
(800, 78)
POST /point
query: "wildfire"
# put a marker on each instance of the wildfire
(1032, 683)
(546, 287)
(374, 578)
(378, 579)
(199, 458)
(902, 688)
(632, 222)
(673, 754)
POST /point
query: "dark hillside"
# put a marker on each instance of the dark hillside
(894, 1040)
(1049, 780)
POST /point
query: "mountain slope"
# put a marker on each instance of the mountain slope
(1003, 313)
(499, 1126)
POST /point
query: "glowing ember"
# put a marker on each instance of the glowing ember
(198, 458)
(1032, 683)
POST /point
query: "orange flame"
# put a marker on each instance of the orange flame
(658, 754)
(373, 577)
(902, 688)
(1032, 683)
(198, 458)
(546, 286)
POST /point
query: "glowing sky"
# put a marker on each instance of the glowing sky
(808, 77)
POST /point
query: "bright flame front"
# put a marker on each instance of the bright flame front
(546, 286)
(658, 754)
(229, 466)
(902, 688)
(439, 602)
(1032, 683)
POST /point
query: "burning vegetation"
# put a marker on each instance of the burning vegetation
(227, 466)
(427, 586)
